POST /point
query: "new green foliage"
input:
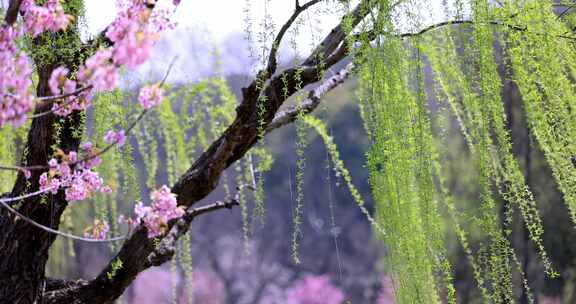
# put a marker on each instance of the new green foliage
(403, 160)
(543, 64)
(399, 164)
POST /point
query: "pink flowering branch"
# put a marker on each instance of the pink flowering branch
(47, 99)
(4, 202)
(22, 240)
(26, 169)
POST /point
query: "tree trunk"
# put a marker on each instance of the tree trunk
(24, 248)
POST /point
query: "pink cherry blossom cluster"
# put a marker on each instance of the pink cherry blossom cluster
(150, 96)
(48, 17)
(99, 71)
(60, 84)
(74, 175)
(133, 33)
(155, 217)
(315, 290)
(135, 30)
(99, 230)
(113, 137)
(15, 79)
(15, 71)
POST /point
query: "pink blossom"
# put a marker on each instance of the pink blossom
(134, 33)
(51, 184)
(150, 96)
(99, 71)
(113, 137)
(315, 290)
(53, 163)
(135, 48)
(73, 175)
(15, 79)
(64, 170)
(72, 157)
(163, 209)
(49, 17)
(69, 104)
(91, 156)
(76, 189)
(91, 179)
(140, 210)
(57, 80)
(86, 146)
(60, 84)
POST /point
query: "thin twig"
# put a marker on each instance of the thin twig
(272, 60)
(24, 196)
(455, 22)
(4, 203)
(46, 99)
(60, 233)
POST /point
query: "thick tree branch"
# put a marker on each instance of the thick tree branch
(338, 34)
(311, 103)
(138, 252)
(25, 247)
(81, 291)
(167, 247)
(12, 12)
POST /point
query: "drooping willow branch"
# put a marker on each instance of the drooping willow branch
(272, 60)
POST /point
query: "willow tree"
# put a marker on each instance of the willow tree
(76, 135)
